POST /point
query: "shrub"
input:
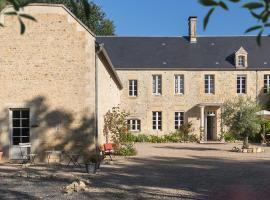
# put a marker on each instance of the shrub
(126, 149)
(230, 137)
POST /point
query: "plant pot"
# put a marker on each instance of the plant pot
(1, 154)
(90, 168)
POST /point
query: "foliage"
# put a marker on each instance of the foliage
(230, 137)
(126, 149)
(258, 9)
(240, 117)
(88, 12)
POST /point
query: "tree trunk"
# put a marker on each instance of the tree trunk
(245, 142)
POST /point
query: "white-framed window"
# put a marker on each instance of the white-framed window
(157, 84)
(178, 119)
(241, 61)
(178, 84)
(241, 84)
(133, 88)
(134, 124)
(209, 84)
(266, 81)
(20, 126)
(157, 120)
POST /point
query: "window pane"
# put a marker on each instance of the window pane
(25, 122)
(16, 131)
(25, 140)
(16, 114)
(16, 123)
(25, 113)
(16, 140)
(25, 131)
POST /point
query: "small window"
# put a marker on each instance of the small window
(241, 84)
(241, 61)
(178, 119)
(20, 126)
(266, 81)
(179, 84)
(134, 124)
(157, 120)
(133, 88)
(157, 84)
(209, 84)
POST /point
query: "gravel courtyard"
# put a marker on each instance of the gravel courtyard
(159, 171)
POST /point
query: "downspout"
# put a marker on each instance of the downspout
(97, 51)
(256, 86)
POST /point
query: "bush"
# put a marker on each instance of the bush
(230, 137)
(126, 150)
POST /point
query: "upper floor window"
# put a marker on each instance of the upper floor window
(157, 120)
(178, 119)
(134, 124)
(179, 84)
(157, 84)
(241, 84)
(266, 83)
(241, 58)
(209, 84)
(133, 88)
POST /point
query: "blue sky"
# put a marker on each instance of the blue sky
(169, 17)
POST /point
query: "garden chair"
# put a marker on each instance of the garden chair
(26, 155)
(108, 150)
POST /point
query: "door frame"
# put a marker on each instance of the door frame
(213, 114)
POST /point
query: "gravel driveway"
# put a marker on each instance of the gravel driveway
(159, 171)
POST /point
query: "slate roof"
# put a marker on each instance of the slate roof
(178, 53)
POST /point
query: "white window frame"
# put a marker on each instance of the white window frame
(179, 84)
(179, 119)
(156, 122)
(207, 84)
(157, 84)
(242, 89)
(133, 88)
(266, 83)
(136, 123)
(241, 61)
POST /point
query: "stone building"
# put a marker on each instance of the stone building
(59, 79)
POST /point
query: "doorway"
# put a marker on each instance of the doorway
(210, 125)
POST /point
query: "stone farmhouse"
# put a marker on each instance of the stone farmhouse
(59, 79)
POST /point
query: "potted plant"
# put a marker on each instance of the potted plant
(92, 164)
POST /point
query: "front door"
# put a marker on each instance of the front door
(210, 127)
(19, 131)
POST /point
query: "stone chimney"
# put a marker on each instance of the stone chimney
(192, 23)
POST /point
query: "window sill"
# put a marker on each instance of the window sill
(209, 94)
(157, 95)
(135, 131)
(180, 94)
(132, 97)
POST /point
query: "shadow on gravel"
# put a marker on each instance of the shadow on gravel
(188, 148)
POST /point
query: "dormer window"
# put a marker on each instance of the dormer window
(241, 58)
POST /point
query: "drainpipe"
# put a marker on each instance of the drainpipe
(257, 87)
(97, 51)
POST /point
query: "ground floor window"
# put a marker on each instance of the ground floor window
(134, 124)
(178, 119)
(20, 126)
(157, 120)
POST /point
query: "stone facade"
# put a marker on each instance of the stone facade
(51, 71)
(142, 106)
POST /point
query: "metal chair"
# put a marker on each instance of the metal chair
(27, 156)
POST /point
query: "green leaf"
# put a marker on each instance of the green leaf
(255, 15)
(208, 2)
(267, 25)
(253, 29)
(27, 17)
(234, 1)
(265, 16)
(11, 13)
(223, 5)
(259, 37)
(253, 5)
(206, 18)
(22, 26)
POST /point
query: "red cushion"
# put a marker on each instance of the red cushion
(108, 146)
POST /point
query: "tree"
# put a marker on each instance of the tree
(259, 9)
(239, 115)
(88, 12)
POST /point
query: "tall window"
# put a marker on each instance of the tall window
(178, 119)
(266, 83)
(179, 84)
(241, 61)
(241, 84)
(209, 84)
(157, 84)
(157, 121)
(133, 88)
(20, 126)
(134, 124)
